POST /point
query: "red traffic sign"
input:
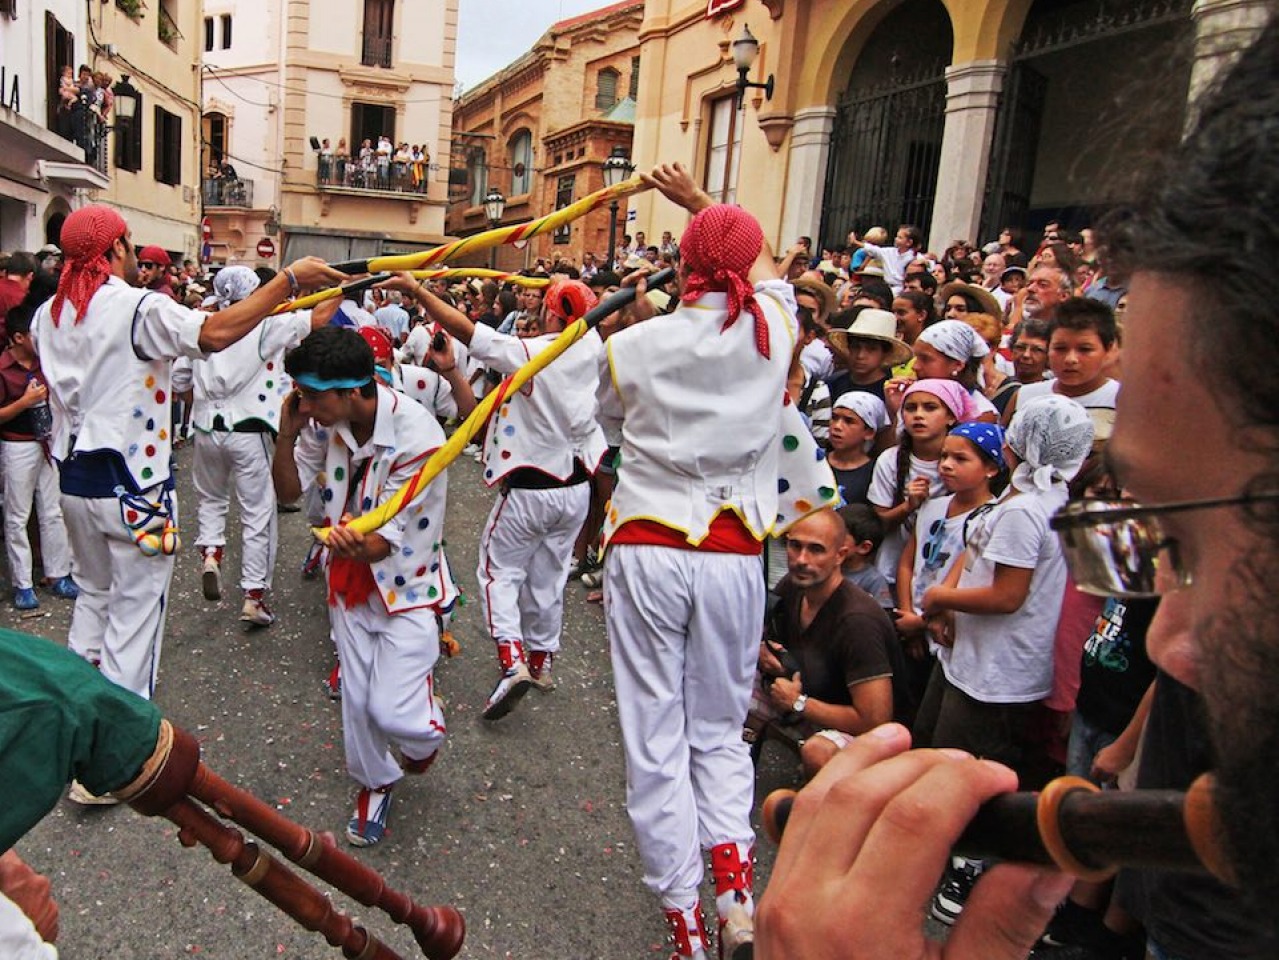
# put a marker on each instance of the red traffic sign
(206, 229)
(266, 248)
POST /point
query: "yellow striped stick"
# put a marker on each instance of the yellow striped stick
(472, 425)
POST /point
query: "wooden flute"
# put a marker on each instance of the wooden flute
(1073, 825)
(172, 782)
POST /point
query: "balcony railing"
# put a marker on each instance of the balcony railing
(227, 192)
(395, 176)
(377, 51)
(83, 127)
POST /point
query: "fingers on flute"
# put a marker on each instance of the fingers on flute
(880, 744)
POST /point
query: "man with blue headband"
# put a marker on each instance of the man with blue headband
(362, 442)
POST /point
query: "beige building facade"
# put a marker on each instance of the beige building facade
(538, 131)
(959, 116)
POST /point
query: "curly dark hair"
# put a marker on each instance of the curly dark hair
(333, 353)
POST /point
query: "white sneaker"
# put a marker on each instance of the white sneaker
(736, 934)
(212, 579)
(255, 612)
(513, 685)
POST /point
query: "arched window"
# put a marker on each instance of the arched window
(521, 147)
(606, 88)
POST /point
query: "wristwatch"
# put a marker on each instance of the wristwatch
(800, 703)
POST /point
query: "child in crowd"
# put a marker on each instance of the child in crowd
(865, 534)
(951, 350)
(855, 419)
(973, 469)
(907, 475)
(1082, 349)
(995, 616)
(868, 344)
(914, 311)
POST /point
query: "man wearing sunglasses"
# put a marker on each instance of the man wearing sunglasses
(1195, 445)
(153, 270)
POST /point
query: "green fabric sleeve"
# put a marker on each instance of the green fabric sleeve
(61, 719)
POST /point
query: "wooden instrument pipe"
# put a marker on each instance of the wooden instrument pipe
(175, 774)
(1082, 830)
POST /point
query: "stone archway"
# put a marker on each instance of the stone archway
(888, 123)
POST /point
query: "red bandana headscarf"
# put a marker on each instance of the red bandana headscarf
(86, 237)
(718, 248)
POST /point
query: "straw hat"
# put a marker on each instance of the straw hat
(983, 296)
(872, 324)
(822, 291)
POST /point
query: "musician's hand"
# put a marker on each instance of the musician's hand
(865, 845)
(313, 273)
(31, 893)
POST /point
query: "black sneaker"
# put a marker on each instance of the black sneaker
(961, 877)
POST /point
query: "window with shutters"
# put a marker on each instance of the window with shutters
(59, 52)
(723, 150)
(379, 16)
(167, 158)
(606, 88)
(634, 90)
(208, 34)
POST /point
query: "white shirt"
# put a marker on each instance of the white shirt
(883, 485)
(1008, 658)
(1099, 403)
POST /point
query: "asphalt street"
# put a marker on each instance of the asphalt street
(521, 825)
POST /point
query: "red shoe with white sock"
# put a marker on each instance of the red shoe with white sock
(733, 869)
(687, 932)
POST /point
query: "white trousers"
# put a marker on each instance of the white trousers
(220, 459)
(32, 478)
(388, 691)
(525, 551)
(684, 632)
(119, 615)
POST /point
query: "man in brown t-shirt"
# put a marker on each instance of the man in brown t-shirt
(828, 659)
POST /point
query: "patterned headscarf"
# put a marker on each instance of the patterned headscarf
(949, 392)
(955, 339)
(1052, 435)
(233, 284)
(986, 437)
(867, 406)
(86, 237)
(718, 248)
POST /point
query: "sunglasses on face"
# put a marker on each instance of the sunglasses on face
(146, 265)
(1118, 548)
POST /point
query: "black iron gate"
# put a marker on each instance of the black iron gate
(1011, 174)
(885, 150)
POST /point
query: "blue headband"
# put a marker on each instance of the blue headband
(987, 437)
(313, 382)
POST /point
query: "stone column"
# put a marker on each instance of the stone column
(1222, 29)
(972, 101)
(806, 176)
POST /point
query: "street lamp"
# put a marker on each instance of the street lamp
(494, 207)
(617, 169)
(745, 50)
(126, 99)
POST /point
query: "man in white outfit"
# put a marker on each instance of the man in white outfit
(542, 447)
(235, 413)
(699, 396)
(106, 349)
